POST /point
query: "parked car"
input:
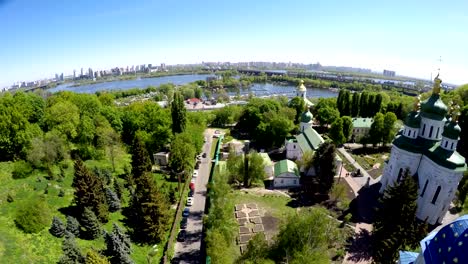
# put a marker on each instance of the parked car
(181, 236)
(195, 174)
(204, 140)
(192, 186)
(204, 155)
(183, 223)
(186, 212)
(197, 165)
(190, 194)
(190, 201)
(193, 180)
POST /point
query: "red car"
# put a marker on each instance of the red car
(192, 186)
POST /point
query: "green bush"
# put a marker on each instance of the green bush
(33, 216)
(21, 170)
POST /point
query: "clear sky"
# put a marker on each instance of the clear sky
(41, 38)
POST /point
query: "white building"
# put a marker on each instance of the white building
(427, 147)
(161, 158)
(308, 140)
(361, 127)
(286, 174)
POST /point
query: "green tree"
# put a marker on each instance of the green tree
(305, 237)
(64, 117)
(151, 218)
(71, 252)
(336, 132)
(198, 92)
(255, 169)
(179, 114)
(364, 105)
(388, 127)
(299, 105)
(395, 226)
(112, 200)
(347, 127)
(257, 251)
(73, 226)
(355, 104)
(326, 115)
(141, 162)
(58, 227)
(89, 192)
(182, 154)
(90, 224)
(93, 257)
(235, 168)
(346, 104)
(324, 163)
(33, 215)
(118, 246)
(376, 131)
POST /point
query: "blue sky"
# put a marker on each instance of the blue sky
(41, 38)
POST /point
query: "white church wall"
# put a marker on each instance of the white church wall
(399, 159)
(437, 129)
(293, 151)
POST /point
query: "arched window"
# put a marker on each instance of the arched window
(438, 132)
(424, 189)
(399, 175)
(414, 133)
(436, 195)
(446, 142)
(430, 131)
(424, 129)
(451, 147)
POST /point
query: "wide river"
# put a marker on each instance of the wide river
(257, 89)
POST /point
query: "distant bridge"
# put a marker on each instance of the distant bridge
(259, 72)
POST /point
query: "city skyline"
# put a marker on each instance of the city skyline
(404, 37)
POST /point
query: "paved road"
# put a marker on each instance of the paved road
(189, 251)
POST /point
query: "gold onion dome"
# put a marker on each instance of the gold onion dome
(301, 87)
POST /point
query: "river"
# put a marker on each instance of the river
(257, 89)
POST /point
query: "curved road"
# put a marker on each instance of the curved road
(189, 251)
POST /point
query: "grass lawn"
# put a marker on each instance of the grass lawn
(373, 163)
(19, 247)
(346, 164)
(277, 205)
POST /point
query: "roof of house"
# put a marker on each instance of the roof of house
(285, 166)
(309, 140)
(266, 159)
(362, 122)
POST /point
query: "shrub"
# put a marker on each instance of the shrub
(33, 216)
(21, 170)
(58, 227)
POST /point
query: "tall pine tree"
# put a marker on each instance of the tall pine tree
(58, 227)
(324, 163)
(141, 162)
(396, 226)
(355, 107)
(364, 105)
(90, 224)
(89, 192)
(178, 113)
(118, 246)
(71, 252)
(346, 104)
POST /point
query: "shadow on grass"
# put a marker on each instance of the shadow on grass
(71, 210)
(359, 247)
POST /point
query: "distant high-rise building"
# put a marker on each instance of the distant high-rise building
(56, 77)
(163, 66)
(81, 72)
(61, 77)
(90, 73)
(389, 73)
(74, 74)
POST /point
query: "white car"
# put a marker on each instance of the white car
(193, 180)
(195, 174)
(190, 201)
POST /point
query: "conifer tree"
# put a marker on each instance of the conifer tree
(58, 227)
(324, 163)
(89, 192)
(364, 104)
(118, 188)
(336, 132)
(71, 251)
(346, 104)
(150, 211)
(396, 226)
(90, 224)
(355, 107)
(73, 226)
(118, 246)
(112, 200)
(141, 162)
(178, 113)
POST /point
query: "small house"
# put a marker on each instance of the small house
(361, 127)
(286, 174)
(161, 158)
(307, 140)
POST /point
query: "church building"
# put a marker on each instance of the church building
(426, 146)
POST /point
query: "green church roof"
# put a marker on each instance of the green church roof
(452, 130)
(413, 120)
(309, 140)
(306, 117)
(434, 108)
(285, 166)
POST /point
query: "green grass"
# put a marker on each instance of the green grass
(346, 164)
(19, 247)
(367, 161)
